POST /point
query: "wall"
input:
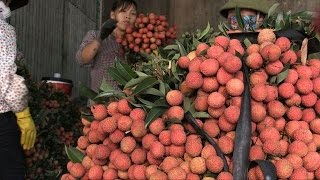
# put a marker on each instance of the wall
(49, 33)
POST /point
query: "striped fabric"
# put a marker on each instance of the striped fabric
(105, 57)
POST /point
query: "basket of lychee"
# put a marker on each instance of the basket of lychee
(148, 33)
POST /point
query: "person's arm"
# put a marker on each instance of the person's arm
(88, 48)
(90, 51)
(92, 42)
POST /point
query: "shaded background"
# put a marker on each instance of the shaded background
(50, 32)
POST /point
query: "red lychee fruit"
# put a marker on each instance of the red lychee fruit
(214, 164)
(77, 170)
(235, 87)
(284, 43)
(276, 109)
(223, 76)
(177, 173)
(122, 162)
(124, 107)
(299, 148)
(209, 67)
(138, 114)
(102, 152)
(194, 80)
(183, 62)
(274, 68)
(311, 161)
(112, 108)
(128, 144)
(254, 61)
(201, 47)
(259, 92)
(99, 111)
(176, 113)
(174, 97)
(226, 144)
(233, 64)
(169, 163)
(195, 64)
(266, 35)
(232, 114)
(253, 48)
(289, 57)
(269, 133)
(198, 165)
(222, 41)
(256, 153)
(216, 100)
(284, 168)
(156, 126)
(271, 52)
(95, 172)
(138, 130)
(124, 123)
(286, 90)
(294, 113)
(214, 52)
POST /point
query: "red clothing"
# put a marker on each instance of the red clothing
(105, 57)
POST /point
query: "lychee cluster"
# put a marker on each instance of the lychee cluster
(149, 32)
(285, 110)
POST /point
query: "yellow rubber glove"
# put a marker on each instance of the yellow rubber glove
(27, 127)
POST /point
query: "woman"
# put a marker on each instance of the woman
(14, 113)
(252, 12)
(99, 49)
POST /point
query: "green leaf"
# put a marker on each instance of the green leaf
(196, 42)
(279, 21)
(273, 79)
(140, 74)
(162, 87)
(187, 104)
(153, 91)
(145, 84)
(154, 113)
(222, 29)
(172, 47)
(239, 18)
(115, 74)
(86, 92)
(105, 86)
(272, 9)
(203, 52)
(181, 48)
(282, 76)
(205, 31)
(125, 70)
(135, 81)
(105, 94)
(88, 117)
(75, 155)
(201, 115)
(174, 70)
(247, 42)
(161, 102)
(145, 102)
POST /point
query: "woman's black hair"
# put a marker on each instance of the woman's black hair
(123, 4)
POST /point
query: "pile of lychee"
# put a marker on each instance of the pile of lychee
(149, 32)
(284, 113)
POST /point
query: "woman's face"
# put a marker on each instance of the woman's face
(125, 17)
(249, 18)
